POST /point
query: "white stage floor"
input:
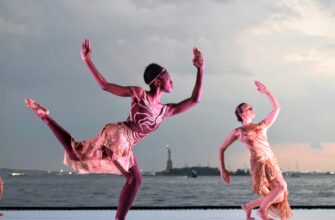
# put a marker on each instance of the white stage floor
(230, 214)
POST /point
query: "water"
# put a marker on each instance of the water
(103, 190)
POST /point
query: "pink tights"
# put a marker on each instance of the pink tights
(62, 135)
(129, 190)
(128, 193)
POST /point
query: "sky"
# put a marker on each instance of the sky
(289, 45)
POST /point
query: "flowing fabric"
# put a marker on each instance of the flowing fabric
(264, 165)
(92, 152)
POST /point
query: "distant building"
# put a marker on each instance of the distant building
(189, 171)
(169, 161)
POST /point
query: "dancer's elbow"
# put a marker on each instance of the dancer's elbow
(222, 150)
(277, 109)
(196, 99)
(104, 86)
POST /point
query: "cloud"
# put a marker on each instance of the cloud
(306, 17)
(298, 34)
(285, 44)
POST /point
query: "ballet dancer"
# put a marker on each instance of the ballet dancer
(110, 151)
(267, 179)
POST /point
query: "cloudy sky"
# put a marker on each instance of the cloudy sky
(289, 45)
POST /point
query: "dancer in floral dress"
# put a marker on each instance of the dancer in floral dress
(267, 179)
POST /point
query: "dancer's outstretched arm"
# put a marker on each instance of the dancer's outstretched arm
(86, 53)
(272, 116)
(186, 104)
(230, 139)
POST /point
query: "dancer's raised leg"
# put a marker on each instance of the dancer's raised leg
(61, 134)
(129, 192)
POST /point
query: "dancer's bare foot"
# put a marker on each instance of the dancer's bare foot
(263, 214)
(247, 211)
(39, 110)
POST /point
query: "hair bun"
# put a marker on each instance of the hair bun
(151, 72)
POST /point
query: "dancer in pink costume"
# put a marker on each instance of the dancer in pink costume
(267, 179)
(111, 150)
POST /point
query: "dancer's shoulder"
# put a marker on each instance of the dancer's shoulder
(235, 132)
(238, 132)
(137, 92)
(263, 124)
(238, 129)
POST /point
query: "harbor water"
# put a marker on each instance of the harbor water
(103, 190)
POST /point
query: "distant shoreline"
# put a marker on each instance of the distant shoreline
(186, 171)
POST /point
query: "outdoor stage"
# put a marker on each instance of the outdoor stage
(212, 214)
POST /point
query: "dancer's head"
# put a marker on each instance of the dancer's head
(157, 76)
(244, 111)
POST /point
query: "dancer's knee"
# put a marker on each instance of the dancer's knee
(265, 191)
(282, 186)
(137, 180)
(280, 198)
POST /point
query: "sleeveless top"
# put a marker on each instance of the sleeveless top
(255, 138)
(141, 119)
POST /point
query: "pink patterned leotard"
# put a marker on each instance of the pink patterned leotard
(119, 138)
(142, 120)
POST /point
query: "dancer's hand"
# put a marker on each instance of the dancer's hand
(261, 87)
(198, 60)
(225, 176)
(86, 51)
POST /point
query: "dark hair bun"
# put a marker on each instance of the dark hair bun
(151, 72)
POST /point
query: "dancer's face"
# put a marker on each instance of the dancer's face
(247, 112)
(166, 82)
